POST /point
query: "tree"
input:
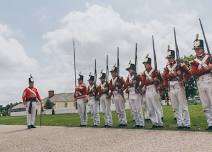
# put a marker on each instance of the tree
(49, 104)
(190, 85)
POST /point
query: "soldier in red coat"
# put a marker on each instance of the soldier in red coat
(151, 81)
(81, 99)
(116, 88)
(30, 98)
(202, 70)
(132, 88)
(174, 76)
(105, 100)
(93, 100)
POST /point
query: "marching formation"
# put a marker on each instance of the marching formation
(143, 90)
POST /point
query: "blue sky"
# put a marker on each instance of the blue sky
(36, 37)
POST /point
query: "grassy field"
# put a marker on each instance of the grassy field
(198, 121)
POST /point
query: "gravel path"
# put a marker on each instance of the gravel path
(63, 139)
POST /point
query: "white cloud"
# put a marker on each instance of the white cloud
(13, 56)
(99, 30)
(14, 64)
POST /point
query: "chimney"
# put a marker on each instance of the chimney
(51, 93)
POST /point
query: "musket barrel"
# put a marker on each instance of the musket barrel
(118, 59)
(75, 75)
(203, 32)
(155, 59)
(176, 47)
(75, 72)
(136, 58)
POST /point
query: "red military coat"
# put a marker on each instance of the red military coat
(30, 93)
(80, 91)
(198, 64)
(172, 72)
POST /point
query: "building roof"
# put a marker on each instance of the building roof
(20, 105)
(62, 97)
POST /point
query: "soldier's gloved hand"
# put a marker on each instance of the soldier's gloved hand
(173, 74)
(206, 68)
(210, 66)
(182, 65)
(179, 72)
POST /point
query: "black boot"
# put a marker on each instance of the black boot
(180, 127)
(154, 126)
(210, 128)
(29, 127)
(187, 127)
(32, 126)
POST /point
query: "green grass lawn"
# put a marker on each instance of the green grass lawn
(198, 121)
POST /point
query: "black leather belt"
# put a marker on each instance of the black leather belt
(31, 99)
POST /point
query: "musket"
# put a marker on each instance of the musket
(155, 59)
(203, 32)
(107, 69)
(136, 74)
(118, 70)
(75, 72)
(177, 49)
(118, 61)
(206, 42)
(95, 73)
(95, 79)
(136, 57)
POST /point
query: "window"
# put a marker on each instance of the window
(66, 104)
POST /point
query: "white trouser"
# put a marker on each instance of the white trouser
(120, 108)
(179, 103)
(105, 104)
(160, 105)
(81, 105)
(135, 102)
(94, 107)
(204, 84)
(153, 105)
(31, 117)
(144, 107)
(130, 106)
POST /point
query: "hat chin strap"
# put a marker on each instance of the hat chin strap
(200, 55)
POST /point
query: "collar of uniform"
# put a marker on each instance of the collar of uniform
(148, 70)
(91, 85)
(201, 57)
(172, 63)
